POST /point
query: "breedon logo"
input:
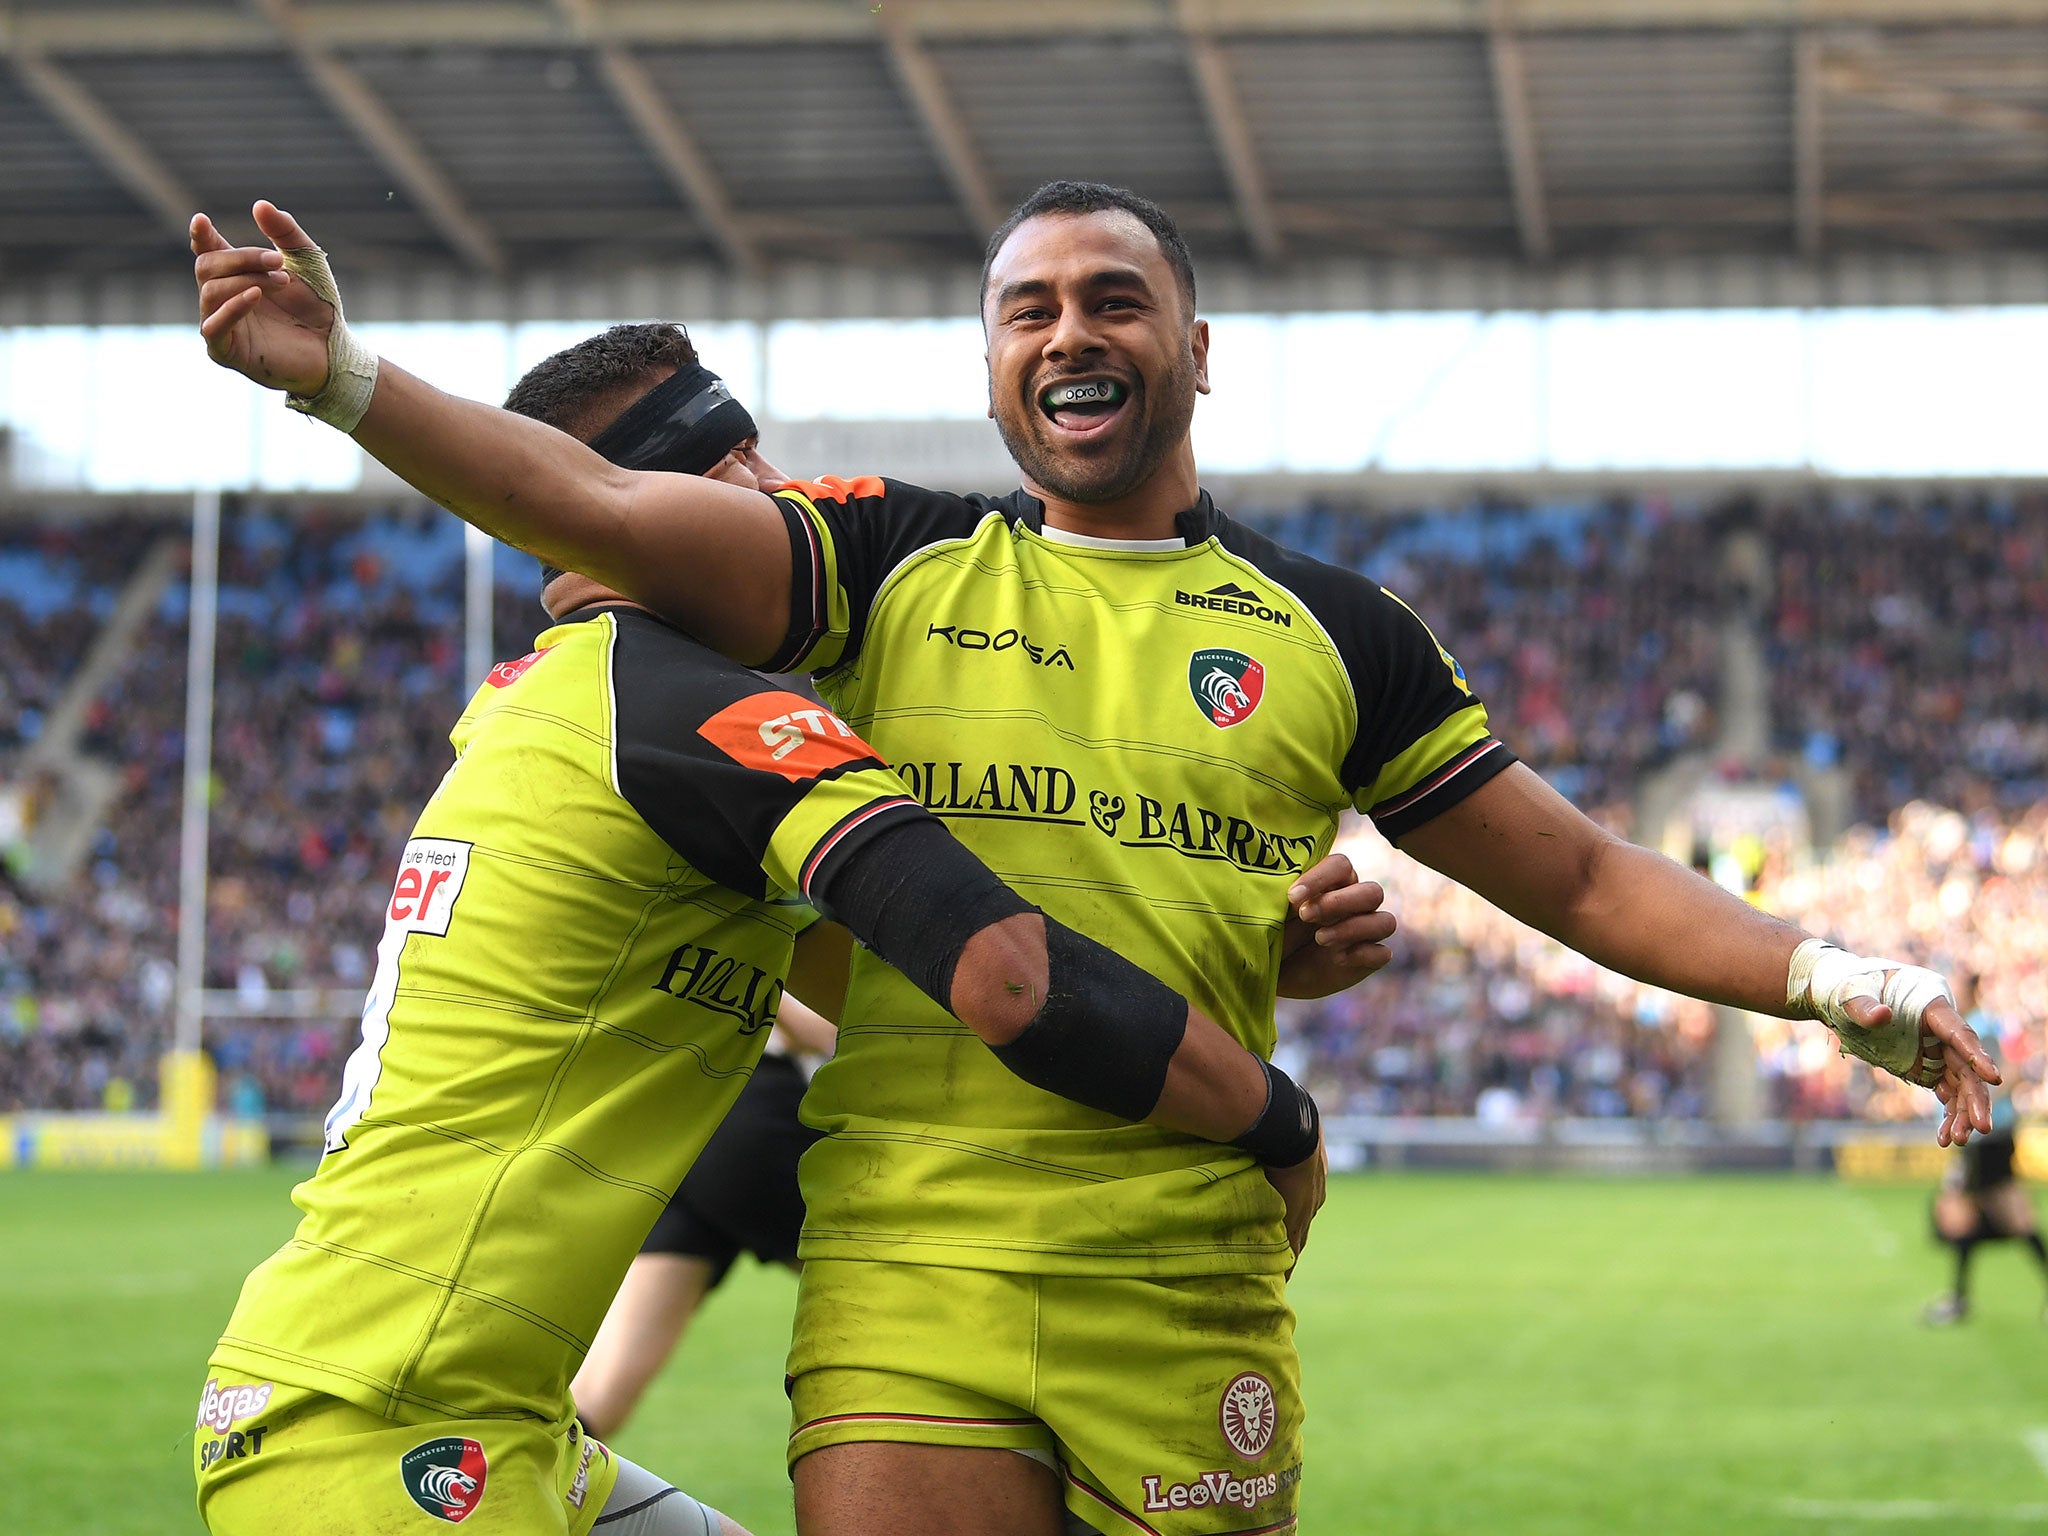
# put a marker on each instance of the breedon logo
(1231, 598)
(1227, 685)
(446, 1477)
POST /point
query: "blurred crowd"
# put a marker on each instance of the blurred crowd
(1904, 644)
(1481, 1015)
(337, 677)
(1907, 644)
(1592, 633)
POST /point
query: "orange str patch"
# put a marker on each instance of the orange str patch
(785, 733)
(506, 673)
(837, 488)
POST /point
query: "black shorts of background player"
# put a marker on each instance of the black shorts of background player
(740, 1196)
(1980, 1201)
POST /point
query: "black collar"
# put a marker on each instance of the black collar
(1191, 525)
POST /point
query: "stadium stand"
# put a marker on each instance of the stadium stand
(1593, 631)
(336, 681)
(1589, 631)
(1907, 643)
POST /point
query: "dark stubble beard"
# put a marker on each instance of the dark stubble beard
(1091, 478)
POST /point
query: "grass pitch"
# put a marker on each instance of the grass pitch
(1513, 1357)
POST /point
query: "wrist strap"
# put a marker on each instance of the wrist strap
(1288, 1129)
(351, 366)
(1799, 995)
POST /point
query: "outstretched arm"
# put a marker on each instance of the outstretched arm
(711, 557)
(1529, 851)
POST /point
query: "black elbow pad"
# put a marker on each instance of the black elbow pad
(915, 896)
(1107, 1029)
(1105, 1033)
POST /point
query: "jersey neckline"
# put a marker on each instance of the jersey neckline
(1193, 527)
(1091, 541)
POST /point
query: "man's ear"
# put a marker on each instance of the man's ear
(1198, 342)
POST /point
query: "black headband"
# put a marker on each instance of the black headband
(685, 425)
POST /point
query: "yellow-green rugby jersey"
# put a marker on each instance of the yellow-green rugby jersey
(577, 973)
(1150, 742)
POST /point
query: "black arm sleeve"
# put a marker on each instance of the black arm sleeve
(915, 896)
(1106, 1030)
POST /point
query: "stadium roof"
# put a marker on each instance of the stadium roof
(529, 145)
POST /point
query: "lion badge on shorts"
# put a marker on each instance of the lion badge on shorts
(1248, 1414)
(446, 1477)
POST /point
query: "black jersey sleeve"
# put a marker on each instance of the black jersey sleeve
(1422, 742)
(759, 788)
(845, 537)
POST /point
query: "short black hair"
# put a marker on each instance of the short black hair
(559, 390)
(1084, 197)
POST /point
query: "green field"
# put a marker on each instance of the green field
(1484, 1356)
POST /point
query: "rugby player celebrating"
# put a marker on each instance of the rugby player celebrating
(1150, 718)
(579, 969)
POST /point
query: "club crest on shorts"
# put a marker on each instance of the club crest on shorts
(445, 1477)
(1227, 685)
(1248, 1414)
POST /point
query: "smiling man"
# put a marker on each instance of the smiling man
(1149, 719)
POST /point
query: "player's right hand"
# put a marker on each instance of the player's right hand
(1335, 935)
(1302, 1187)
(257, 318)
(1967, 1071)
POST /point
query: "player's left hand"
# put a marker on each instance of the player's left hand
(1336, 933)
(1302, 1187)
(256, 318)
(1968, 1073)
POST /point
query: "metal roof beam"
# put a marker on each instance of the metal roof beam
(1439, 222)
(125, 156)
(1224, 109)
(943, 126)
(1808, 208)
(387, 139)
(1420, 224)
(1518, 131)
(666, 137)
(90, 28)
(1872, 85)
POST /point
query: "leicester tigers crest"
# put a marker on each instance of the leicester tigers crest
(445, 1477)
(1227, 685)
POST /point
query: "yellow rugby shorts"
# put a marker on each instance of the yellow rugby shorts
(1170, 1406)
(271, 1458)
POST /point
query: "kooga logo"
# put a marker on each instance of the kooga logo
(968, 639)
(1231, 598)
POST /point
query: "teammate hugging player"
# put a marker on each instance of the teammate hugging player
(579, 967)
(740, 1196)
(990, 1269)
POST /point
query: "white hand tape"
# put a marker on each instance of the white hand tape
(351, 366)
(1823, 979)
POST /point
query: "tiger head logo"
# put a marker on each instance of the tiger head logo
(1248, 1414)
(1227, 685)
(445, 1477)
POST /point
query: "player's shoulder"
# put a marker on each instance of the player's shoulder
(645, 639)
(1356, 611)
(902, 507)
(666, 681)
